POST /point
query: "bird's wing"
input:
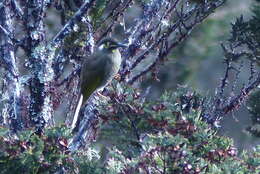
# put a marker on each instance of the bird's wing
(92, 75)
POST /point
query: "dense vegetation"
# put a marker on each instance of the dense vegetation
(127, 130)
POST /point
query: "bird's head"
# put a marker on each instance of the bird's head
(109, 44)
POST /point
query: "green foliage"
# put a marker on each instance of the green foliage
(88, 162)
(165, 136)
(254, 109)
(246, 34)
(134, 136)
(98, 11)
(255, 21)
(29, 153)
(254, 102)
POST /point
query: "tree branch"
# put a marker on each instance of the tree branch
(68, 27)
(8, 58)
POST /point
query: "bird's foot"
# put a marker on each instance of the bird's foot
(117, 77)
(99, 95)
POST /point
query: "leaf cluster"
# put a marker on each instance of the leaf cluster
(165, 136)
(253, 106)
(134, 136)
(29, 153)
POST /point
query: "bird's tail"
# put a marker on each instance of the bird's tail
(76, 115)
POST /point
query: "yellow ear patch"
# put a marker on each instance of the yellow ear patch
(109, 45)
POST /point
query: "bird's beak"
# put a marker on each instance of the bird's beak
(121, 45)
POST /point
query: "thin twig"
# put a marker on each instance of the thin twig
(68, 27)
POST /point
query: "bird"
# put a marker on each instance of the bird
(97, 71)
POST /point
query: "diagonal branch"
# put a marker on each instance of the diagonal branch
(180, 23)
(68, 27)
(241, 97)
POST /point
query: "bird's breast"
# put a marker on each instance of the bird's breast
(112, 67)
(113, 62)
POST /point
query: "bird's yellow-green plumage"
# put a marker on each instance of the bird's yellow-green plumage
(92, 75)
(99, 69)
(94, 83)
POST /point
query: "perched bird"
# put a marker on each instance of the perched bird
(97, 71)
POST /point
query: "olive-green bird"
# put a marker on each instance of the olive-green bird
(97, 71)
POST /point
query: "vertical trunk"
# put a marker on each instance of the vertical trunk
(40, 107)
(10, 113)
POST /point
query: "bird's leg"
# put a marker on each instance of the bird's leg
(117, 77)
(100, 95)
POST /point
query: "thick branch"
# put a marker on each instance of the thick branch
(8, 58)
(68, 27)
